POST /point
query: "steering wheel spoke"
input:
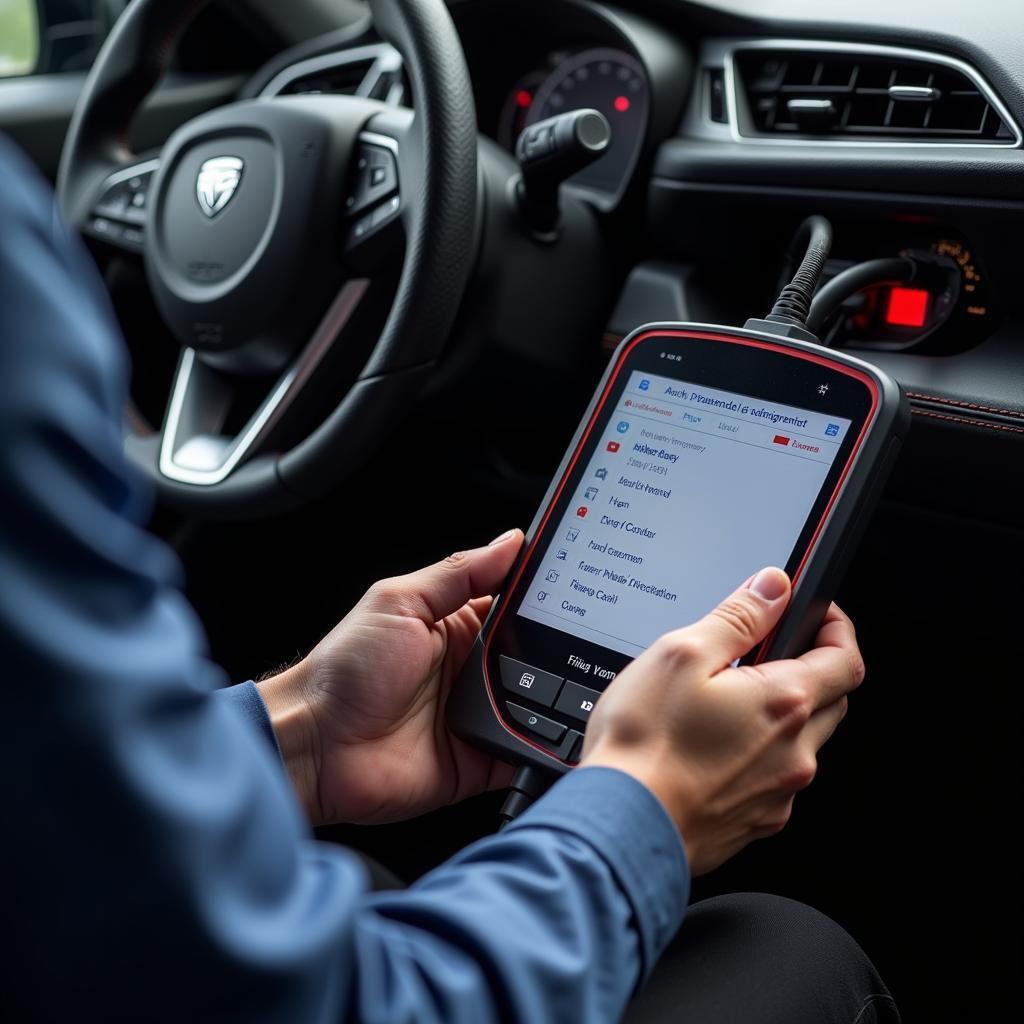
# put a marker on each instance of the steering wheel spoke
(121, 210)
(194, 447)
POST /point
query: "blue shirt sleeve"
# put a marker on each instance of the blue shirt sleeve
(157, 864)
(247, 702)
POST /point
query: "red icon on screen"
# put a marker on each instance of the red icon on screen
(780, 439)
(613, 446)
(582, 511)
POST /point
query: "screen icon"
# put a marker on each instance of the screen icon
(582, 511)
(832, 430)
(562, 554)
(645, 385)
(542, 596)
(602, 474)
(613, 446)
(526, 680)
(572, 535)
(591, 493)
(552, 576)
(622, 426)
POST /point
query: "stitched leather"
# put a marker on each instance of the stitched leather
(1017, 413)
(964, 421)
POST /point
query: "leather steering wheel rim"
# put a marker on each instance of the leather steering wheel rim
(439, 249)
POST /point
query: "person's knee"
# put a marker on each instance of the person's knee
(762, 917)
(757, 957)
(799, 952)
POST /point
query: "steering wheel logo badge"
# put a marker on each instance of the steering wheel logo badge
(217, 182)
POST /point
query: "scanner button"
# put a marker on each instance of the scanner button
(542, 726)
(533, 683)
(577, 701)
(575, 745)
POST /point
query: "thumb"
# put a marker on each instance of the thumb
(444, 587)
(742, 620)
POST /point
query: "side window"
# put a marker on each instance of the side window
(39, 37)
(19, 37)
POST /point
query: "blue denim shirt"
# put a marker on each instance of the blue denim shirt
(156, 865)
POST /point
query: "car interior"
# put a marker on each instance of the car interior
(386, 335)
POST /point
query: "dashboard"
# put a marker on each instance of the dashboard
(732, 120)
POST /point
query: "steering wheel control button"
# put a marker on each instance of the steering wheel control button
(376, 177)
(126, 198)
(105, 228)
(120, 213)
(362, 227)
(386, 211)
(576, 701)
(134, 237)
(533, 683)
(542, 726)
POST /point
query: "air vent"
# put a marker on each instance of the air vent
(373, 71)
(852, 95)
(342, 79)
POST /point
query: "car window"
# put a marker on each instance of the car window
(39, 37)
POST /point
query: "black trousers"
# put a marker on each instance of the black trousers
(750, 958)
(756, 959)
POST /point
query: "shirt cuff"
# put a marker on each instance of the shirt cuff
(629, 828)
(246, 700)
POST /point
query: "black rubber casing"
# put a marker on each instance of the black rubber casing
(472, 706)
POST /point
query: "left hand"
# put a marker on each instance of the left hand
(361, 720)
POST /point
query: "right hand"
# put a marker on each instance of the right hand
(726, 749)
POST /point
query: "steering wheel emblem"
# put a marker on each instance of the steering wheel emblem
(217, 182)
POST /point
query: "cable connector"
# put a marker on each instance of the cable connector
(782, 330)
(788, 317)
(528, 784)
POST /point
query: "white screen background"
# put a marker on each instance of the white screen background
(722, 481)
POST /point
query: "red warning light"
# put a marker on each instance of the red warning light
(523, 98)
(908, 307)
(621, 104)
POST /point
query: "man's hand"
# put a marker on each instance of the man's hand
(726, 749)
(361, 722)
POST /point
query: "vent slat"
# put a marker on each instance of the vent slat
(858, 86)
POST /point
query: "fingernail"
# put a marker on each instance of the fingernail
(770, 584)
(507, 535)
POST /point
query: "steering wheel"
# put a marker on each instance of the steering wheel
(265, 226)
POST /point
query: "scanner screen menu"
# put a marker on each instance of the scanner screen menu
(689, 491)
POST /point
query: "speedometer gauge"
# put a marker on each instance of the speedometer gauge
(614, 83)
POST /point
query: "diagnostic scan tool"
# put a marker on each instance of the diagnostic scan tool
(706, 454)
